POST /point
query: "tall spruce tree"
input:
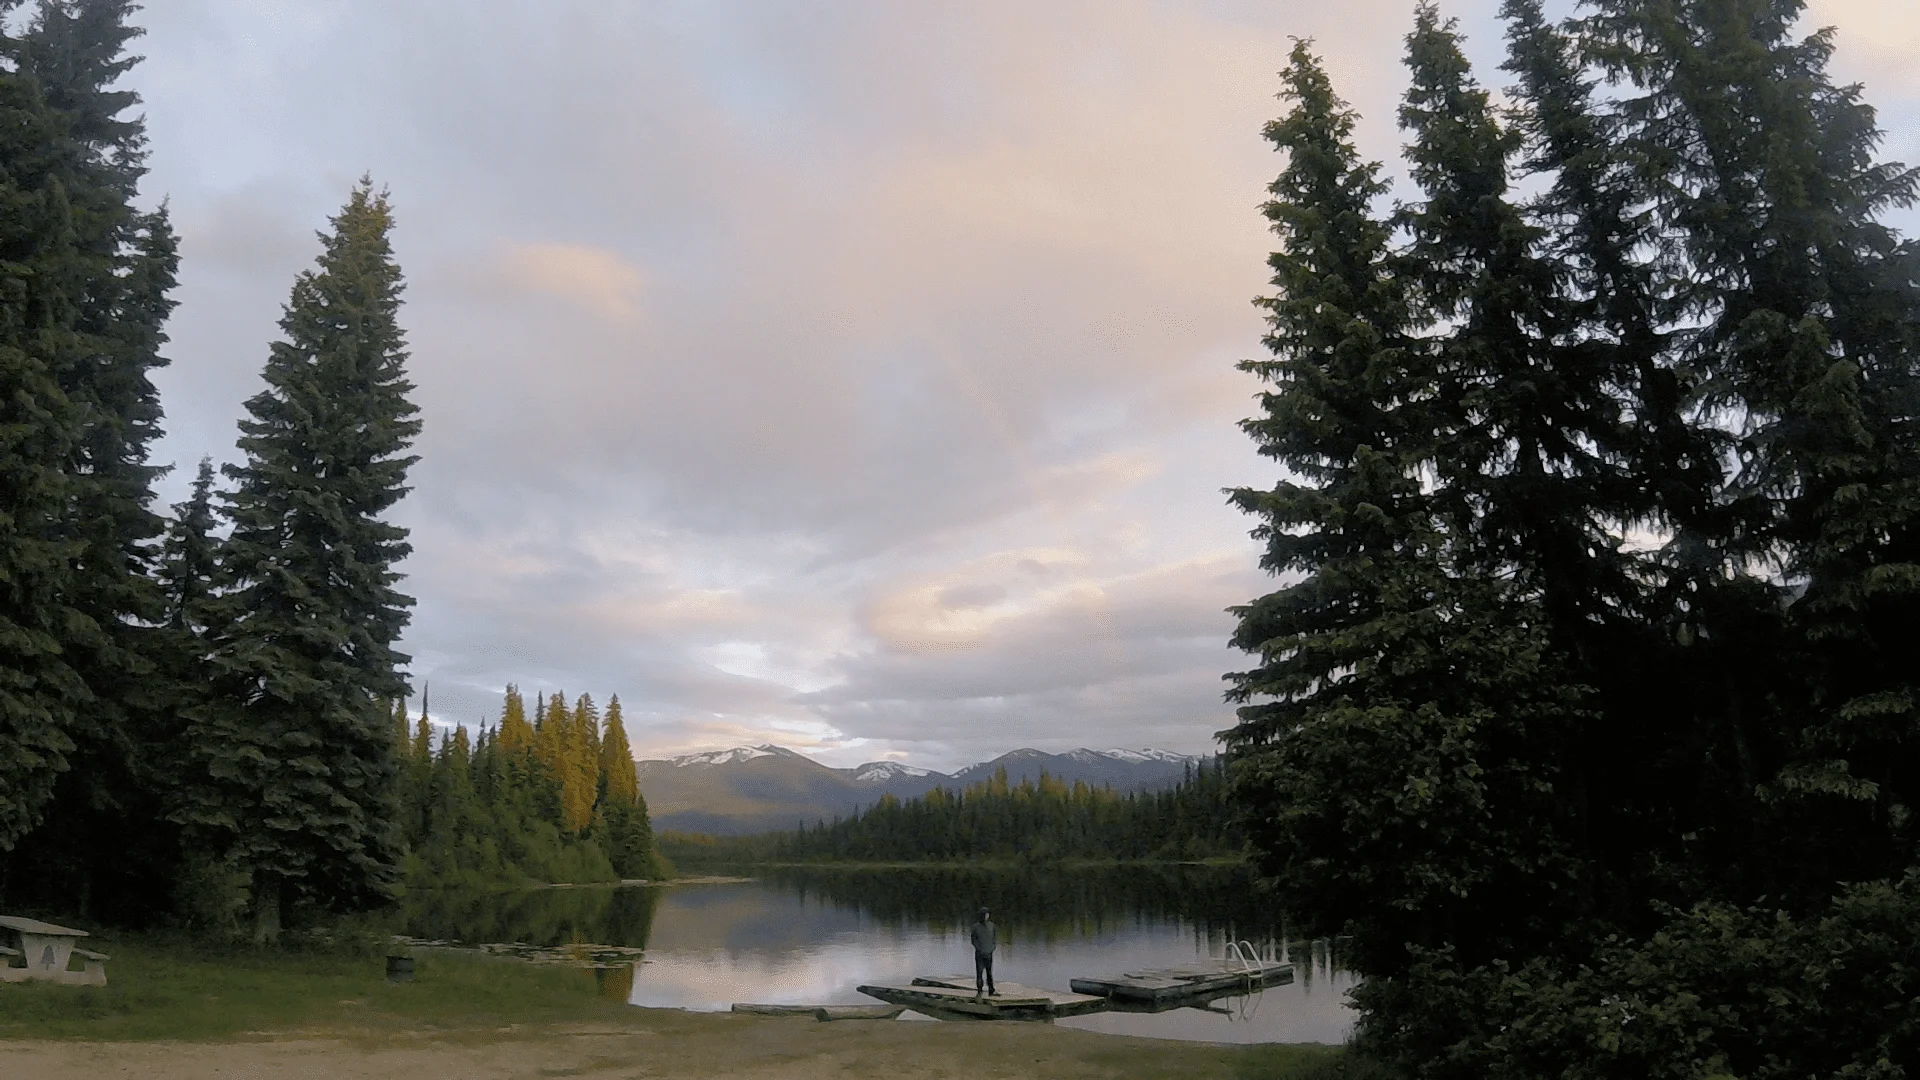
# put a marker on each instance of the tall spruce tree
(43, 277)
(629, 833)
(1392, 703)
(1806, 306)
(189, 560)
(297, 755)
(1637, 772)
(105, 831)
(1663, 427)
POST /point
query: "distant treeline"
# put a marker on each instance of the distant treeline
(551, 800)
(1047, 819)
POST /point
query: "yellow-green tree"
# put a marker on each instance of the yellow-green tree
(423, 742)
(579, 768)
(516, 734)
(616, 759)
(550, 732)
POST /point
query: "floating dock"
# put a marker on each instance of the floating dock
(1177, 986)
(1059, 1004)
(951, 995)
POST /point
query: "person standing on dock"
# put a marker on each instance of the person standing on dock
(984, 938)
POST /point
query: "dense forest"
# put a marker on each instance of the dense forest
(1036, 821)
(554, 799)
(1590, 703)
(197, 718)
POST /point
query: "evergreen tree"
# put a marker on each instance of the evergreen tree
(486, 815)
(1805, 305)
(515, 734)
(402, 729)
(619, 777)
(630, 844)
(106, 831)
(189, 562)
(580, 764)
(42, 279)
(1391, 706)
(1627, 731)
(296, 754)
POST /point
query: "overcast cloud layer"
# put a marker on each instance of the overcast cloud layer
(853, 376)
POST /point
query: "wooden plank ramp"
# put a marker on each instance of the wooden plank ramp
(1169, 985)
(1059, 1004)
(952, 996)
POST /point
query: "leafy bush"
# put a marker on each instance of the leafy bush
(1748, 992)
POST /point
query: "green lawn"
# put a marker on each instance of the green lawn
(159, 989)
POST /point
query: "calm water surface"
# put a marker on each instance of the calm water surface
(812, 937)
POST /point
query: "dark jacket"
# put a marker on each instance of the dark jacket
(983, 938)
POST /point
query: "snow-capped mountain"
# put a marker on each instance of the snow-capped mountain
(1133, 756)
(724, 757)
(875, 772)
(758, 788)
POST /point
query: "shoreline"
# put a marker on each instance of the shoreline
(639, 883)
(667, 1044)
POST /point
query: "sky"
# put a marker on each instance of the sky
(853, 376)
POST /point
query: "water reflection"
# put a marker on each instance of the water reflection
(602, 916)
(812, 936)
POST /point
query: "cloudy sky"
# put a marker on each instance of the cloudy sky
(856, 376)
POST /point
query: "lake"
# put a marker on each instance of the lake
(812, 936)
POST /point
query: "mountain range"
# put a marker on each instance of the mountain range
(751, 789)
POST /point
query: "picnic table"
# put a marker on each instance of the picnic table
(31, 949)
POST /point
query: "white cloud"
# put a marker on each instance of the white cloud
(593, 278)
(762, 348)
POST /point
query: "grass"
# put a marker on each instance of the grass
(162, 989)
(220, 1009)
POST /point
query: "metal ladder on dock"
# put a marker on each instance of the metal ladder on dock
(1242, 957)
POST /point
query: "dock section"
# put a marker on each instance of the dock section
(1058, 1004)
(943, 1000)
(1176, 986)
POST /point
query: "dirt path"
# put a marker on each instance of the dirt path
(661, 1044)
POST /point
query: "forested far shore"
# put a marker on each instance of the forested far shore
(549, 800)
(996, 821)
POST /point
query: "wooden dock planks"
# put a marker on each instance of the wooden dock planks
(1059, 1004)
(1012, 1003)
(1157, 986)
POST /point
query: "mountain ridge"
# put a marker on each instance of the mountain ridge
(747, 789)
